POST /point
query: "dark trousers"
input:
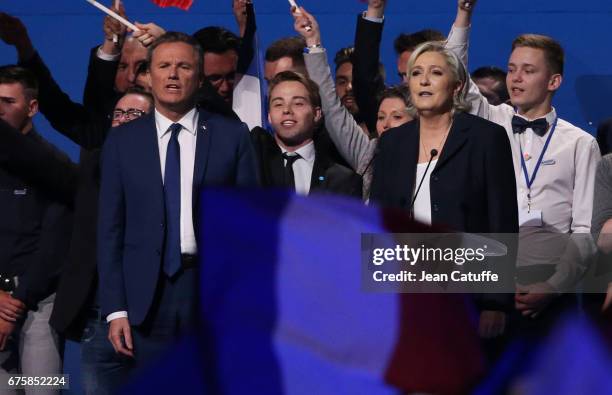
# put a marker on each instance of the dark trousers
(103, 370)
(172, 314)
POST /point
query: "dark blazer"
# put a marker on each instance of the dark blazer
(131, 220)
(87, 126)
(36, 222)
(472, 187)
(604, 136)
(368, 83)
(327, 175)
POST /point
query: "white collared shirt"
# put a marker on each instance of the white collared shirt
(562, 190)
(187, 140)
(302, 168)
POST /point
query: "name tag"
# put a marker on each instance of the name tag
(548, 162)
(20, 192)
(530, 218)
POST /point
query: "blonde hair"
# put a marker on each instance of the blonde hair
(457, 68)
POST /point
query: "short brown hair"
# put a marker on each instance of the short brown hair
(12, 74)
(287, 76)
(178, 37)
(291, 47)
(553, 52)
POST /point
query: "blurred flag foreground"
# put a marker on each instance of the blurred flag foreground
(283, 312)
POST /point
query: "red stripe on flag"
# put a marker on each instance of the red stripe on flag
(182, 4)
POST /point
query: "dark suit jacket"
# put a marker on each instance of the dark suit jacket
(131, 220)
(87, 126)
(368, 83)
(36, 221)
(472, 187)
(604, 136)
(327, 176)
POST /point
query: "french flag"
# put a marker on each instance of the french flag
(250, 91)
(283, 310)
(182, 4)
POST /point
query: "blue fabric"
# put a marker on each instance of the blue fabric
(172, 196)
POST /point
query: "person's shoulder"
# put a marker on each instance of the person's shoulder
(398, 133)
(54, 151)
(570, 131)
(479, 124)
(223, 123)
(482, 129)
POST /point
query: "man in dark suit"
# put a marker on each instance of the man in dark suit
(294, 157)
(34, 235)
(152, 170)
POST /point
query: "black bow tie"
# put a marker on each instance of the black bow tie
(539, 126)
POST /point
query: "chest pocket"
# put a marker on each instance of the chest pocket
(21, 209)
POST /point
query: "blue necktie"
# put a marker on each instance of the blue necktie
(172, 196)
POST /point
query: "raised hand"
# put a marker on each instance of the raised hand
(240, 13)
(376, 8)
(465, 9)
(467, 5)
(306, 25)
(13, 32)
(148, 33)
(114, 31)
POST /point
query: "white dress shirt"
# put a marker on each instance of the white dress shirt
(422, 203)
(187, 138)
(562, 189)
(302, 168)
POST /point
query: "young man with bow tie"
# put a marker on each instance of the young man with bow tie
(554, 163)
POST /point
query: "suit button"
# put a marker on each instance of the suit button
(435, 178)
(435, 207)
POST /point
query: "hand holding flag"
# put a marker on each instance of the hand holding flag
(307, 26)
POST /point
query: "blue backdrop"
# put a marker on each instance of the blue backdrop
(64, 30)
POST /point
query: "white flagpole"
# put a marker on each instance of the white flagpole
(113, 14)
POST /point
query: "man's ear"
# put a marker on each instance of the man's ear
(555, 82)
(32, 108)
(318, 114)
(148, 79)
(269, 119)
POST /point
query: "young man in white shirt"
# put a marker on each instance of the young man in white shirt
(554, 164)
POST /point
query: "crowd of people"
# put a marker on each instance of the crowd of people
(104, 252)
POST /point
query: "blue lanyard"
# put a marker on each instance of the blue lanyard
(535, 171)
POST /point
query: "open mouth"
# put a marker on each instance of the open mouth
(516, 91)
(288, 123)
(173, 88)
(425, 94)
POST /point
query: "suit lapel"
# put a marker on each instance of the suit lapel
(408, 157)
(456, 138)
(321, 164)
(150, 152)
(203, 141)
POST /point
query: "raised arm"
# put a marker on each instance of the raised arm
(368, 82)
(350, 140)
(67, 117)
(458, 42)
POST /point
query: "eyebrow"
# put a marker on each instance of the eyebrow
(292, 98)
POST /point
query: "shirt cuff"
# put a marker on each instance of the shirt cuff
(114, 316)
(104, 56)
(373, 19)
